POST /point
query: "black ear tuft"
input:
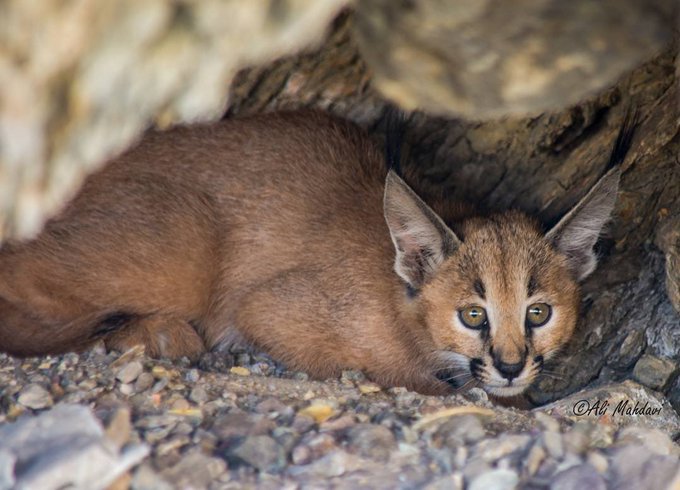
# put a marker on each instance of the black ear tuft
(577, 232)
(623, 139)
(395, 126)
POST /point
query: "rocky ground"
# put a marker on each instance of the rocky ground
(99, 420)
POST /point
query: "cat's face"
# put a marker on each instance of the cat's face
(500, 305)
(501, 298)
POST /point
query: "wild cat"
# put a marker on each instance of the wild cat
(288, 230)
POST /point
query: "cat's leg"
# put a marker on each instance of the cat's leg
(23, 333)
(161, 335)
(292, 319)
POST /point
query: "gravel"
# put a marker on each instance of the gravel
(232, 421)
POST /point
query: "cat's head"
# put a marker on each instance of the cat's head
(500, 297)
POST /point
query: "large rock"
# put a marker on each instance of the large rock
(81, 80)
(63, 447)
(618, 405)
(489, 58)
(668, 239)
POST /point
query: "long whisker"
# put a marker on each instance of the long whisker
(553, 376)
(452, 368)
(465, 385)
(552, 373)
(456, 377)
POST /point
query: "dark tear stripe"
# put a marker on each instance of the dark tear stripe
(532, 287)
(480, 289)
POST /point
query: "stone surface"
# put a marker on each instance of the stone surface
(552, 441)
(251, 433)
(371, 441)
(35, 396)
(7, 462)
(130, 372)
(495, 480)
(655, 440)
(65, 446)
(159, 61)
(630, 350)
(579, 477)
(492, 58)
(636, 467)
(194, 470)
(618, 405)
(668, 239)
(199, 395)
(654, 372)
(261, 452)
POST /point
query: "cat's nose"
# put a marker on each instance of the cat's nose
(508, 370)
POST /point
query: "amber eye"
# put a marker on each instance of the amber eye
(538, 314)
(473, 317)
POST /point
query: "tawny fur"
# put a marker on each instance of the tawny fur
(272, 227)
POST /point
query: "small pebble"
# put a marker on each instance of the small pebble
(194, 470)
(35, 396)
(192, 376)
(579, 477)
(547, 422)
(368, 388)
(352, 377)
(180, 405)
(463, 429)
(552, 441)
(312, 448)
(655, 440)
(598, 461)
(261, 452)
(535, 458)
(496, 448)
(453, 481)
(460, 457)
(654, 372)
(320, 412)
(371, 441)
(199, 395)
(577, 439)
(495, 480)
(129, 372)
(160, 372)
(127, 389)
(240, 371)
(144, 382)
(119, 427)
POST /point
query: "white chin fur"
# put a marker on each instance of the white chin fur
(504, 391)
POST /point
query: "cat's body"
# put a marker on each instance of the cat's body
(274, 228)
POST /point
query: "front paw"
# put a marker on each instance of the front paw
(161, 336)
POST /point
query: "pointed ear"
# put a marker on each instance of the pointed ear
(421, 239)
(575, 235)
